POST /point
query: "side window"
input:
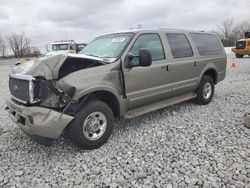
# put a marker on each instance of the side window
(151, 42)
(179, 44)
(206, 44)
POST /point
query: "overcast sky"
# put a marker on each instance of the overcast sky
(45, 21)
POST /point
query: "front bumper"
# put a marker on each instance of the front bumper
(38, 121)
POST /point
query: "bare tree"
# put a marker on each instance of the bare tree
(35, 52)
(241, 28)
(2, 46)
(19, 44)
(226, 30)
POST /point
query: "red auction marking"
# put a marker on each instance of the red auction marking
(233, 64)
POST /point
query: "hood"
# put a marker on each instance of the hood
(57, 66)
(56, 52)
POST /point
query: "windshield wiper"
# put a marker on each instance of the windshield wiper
(93, 55)
(104, 62)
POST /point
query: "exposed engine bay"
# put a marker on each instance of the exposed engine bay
(72, 64)
(49, 95)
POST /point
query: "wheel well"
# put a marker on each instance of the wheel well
(213, 74)
(108, 98)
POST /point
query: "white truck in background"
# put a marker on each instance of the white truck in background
(58, 47)
(68, 46)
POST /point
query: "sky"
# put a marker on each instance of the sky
(45, 21)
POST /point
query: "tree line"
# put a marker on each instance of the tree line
(229, 32)
(20, 47)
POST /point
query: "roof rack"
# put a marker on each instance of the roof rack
(171, 29)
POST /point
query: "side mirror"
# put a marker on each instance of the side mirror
(145, 59)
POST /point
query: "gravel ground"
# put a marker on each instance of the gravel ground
(185, 145)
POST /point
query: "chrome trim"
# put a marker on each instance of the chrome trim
(31, 92)
(19, 100)
(31, 87)
(22, 77)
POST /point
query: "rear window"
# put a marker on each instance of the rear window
(207, 44)
(179, 45)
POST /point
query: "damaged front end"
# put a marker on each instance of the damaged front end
(36, 83)
(38, 91)
(31, 90)
(37, 103)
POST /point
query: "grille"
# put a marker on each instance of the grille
(240, 44)
(19, 89)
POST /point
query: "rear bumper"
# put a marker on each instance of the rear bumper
(38, 121)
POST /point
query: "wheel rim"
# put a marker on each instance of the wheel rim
(207, 90)
(94, 126)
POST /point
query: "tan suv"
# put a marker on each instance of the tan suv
(124, 74)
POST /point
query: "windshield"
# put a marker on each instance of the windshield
(107, 47)
(56, 47)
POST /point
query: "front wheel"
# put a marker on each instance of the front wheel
(205, 91)
(239, 56)
(92, 126)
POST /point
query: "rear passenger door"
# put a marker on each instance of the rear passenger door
(181, 68)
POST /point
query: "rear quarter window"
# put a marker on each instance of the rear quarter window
(207, 44)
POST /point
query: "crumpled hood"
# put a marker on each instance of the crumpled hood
(49, 66)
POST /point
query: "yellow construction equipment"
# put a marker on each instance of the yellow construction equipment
(242, 46)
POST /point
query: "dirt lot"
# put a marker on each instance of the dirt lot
(185, 145)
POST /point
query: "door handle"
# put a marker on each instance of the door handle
(167, 67)
(195, 63)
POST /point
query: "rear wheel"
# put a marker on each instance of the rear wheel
(205, 91)
(239, 56)
(92, 126)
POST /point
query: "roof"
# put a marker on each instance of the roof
(156, 30)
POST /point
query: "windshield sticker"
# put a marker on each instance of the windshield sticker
(120, 39)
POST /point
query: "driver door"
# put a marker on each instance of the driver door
(145, 85)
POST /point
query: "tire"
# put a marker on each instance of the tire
(92, 126)
(239, 56)
(205, 91)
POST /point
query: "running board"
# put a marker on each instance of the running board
(158, 105)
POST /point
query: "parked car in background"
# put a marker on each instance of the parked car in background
(119, 75)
